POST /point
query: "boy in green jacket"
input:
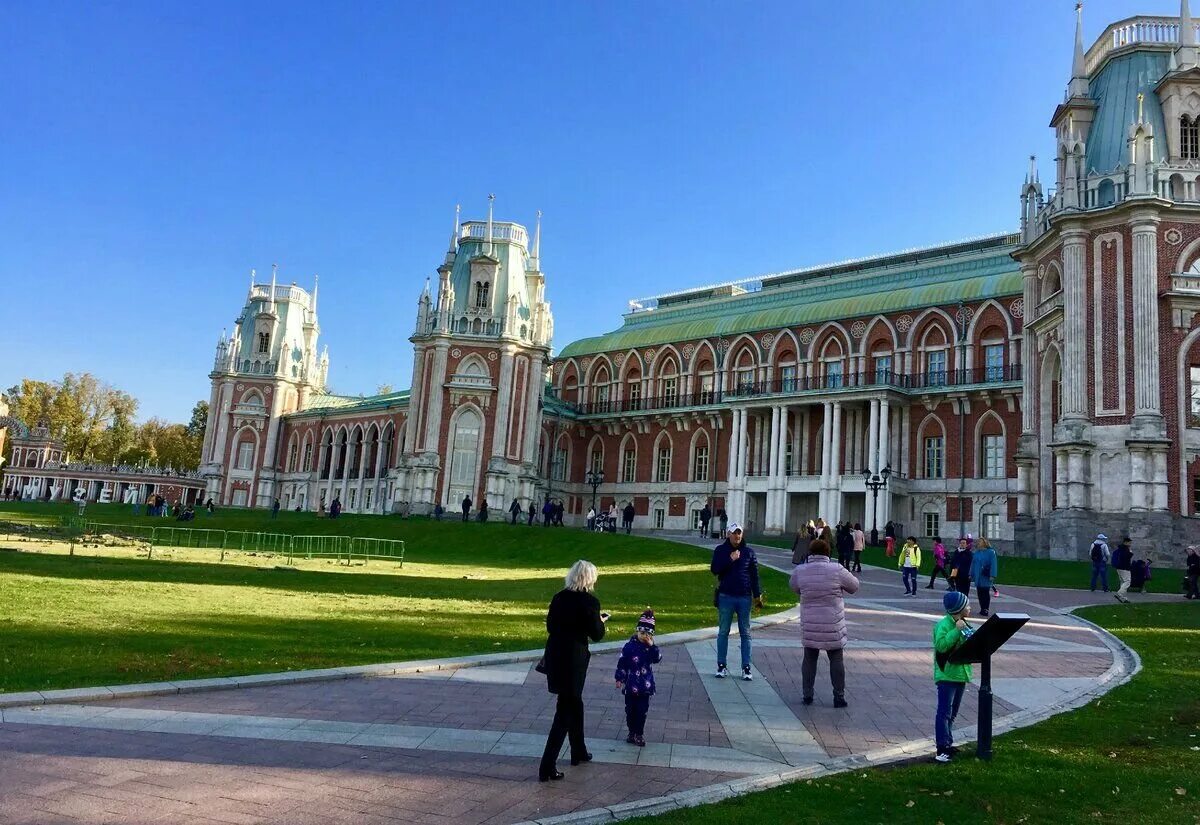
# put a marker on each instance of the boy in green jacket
(951, 679)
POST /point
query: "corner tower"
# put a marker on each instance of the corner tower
(266, 369)
(480, 354)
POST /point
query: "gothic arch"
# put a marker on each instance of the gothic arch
(785, 337)
(601, 361)
(980, 312)
(980, 426)
(830, 329)
(665, 352)
(448, 477)
(293, 458)
(741, 345)
(1049, 281)
(1181, 401)
(865, 348)
(628, 442)
(663, 436)
(700, 438)
(930, 317)
(567, 368)
(633, 358)
(597, 442)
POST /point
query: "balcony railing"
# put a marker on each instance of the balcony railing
(792, 386)
(1133, 30)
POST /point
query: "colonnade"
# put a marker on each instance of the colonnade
(776, 443)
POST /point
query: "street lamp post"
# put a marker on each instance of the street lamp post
(876, 482)
(594, 478)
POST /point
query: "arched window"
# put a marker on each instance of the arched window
(482, 294)
(464, 461)
(1189, 137)
(662, 459)
(264, 342)
(293, 455)
(700, 458)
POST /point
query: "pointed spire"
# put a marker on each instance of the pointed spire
(491, 203)
(1140, 99)
(1033, 173)
(1187, 30)
(316, 286)
(1079, 82)
(274, 275)
(454, 230)
(425, 291)
(537, 241)
(251, 280)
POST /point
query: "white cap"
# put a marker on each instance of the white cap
(734, 527)
(1102, 537)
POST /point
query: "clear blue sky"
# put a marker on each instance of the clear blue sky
(152, 153)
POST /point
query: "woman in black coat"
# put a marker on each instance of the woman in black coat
(574, 618)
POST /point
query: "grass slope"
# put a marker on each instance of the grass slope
(1132, 756)
(113, 618)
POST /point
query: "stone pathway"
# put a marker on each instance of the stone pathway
(460, 744)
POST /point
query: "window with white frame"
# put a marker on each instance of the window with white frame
(660, 517)
(1189, 137)
(306, 466)
(670, 390)
(787, 378)
(560, 464)
(293, 454)
(935, 447)
(700, 463)
(601, 396)
(993, 456)
(989, 525)
(707, 389)
(367, 499)
(664, 464)
(1194, 381)
(883, 369)
(597, 460)
(264, 342)
(483, 291)
(993, 362)
(628, 465)
(353, 496)
(245, 455)
(635, 395)
(933, 525)
(935, 367)
(833, 374)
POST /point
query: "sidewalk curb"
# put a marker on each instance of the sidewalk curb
(293, 677)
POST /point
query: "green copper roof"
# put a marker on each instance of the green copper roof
(1115, 89)
(553, 405)
(325, 404)
(812, 297)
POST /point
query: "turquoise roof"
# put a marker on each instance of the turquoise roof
(938, 276)
(553, 405)
(1115, 89)
(327, 403)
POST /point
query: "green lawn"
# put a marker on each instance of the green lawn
(1018, 570)
(107, 616)
(1133, 756)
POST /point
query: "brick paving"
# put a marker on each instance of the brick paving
(324, 751)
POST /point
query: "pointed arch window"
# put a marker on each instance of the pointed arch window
(1189, 137)
(264, 342)
(482, 294)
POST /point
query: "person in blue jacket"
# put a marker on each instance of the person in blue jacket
(736, 567)
(635, 676)
(983, 573)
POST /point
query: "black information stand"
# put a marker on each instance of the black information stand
(985, 641)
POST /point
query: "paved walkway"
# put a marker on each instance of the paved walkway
(460, 744)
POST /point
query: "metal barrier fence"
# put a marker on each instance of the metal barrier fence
(247, 541)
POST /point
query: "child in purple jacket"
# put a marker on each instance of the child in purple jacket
(635, 676)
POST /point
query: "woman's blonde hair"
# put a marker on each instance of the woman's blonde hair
(581, 576)
(982, 544)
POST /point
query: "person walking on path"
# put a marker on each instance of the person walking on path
(335, 508)
(515, 510)
(802, 542)
(889, 538)
(705, 518)
(736, 566)
(573, 619)
(860, 542)
(1122, 562)
(960, 567)
(821, 585)
(591, 519)
(939, 563)
(1193, 574)
(950, 679)
(483, 510)
(845, 546)
(627, 517)
(611, 525)
(723, 518)
(635, 676)
(275, 509)
(910, 565)
(983, 573)
(466, 507)
(547, 512)
(1100, 556)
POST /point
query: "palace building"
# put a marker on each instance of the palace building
(1035, 387)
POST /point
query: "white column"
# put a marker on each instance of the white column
(773, 467)
(885, 495)
(221, 415)
(433, 411)
(1028, 379)
(414, 400)
(873, 437)
(826, 455)
(805, 433)
(533, 417)
(504, 401)
(835, 472)
(1146, 387)
(1074, 383)
(743, 437)
(731, 466)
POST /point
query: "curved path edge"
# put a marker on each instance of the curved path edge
(291, 677)
(1126, 665)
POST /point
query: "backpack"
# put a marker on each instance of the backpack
(1097, 553)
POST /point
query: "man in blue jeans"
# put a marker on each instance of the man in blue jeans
(736, 567)
(1100, 556)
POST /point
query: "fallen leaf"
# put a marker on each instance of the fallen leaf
(910, 803)
(1181, 791)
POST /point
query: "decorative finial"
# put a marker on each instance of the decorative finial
(316, 286)
(1079, 85)
(274, 274)
(1187, 31)
(491, 202)
(251, 280)
(1141, 97)
(537, 237)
